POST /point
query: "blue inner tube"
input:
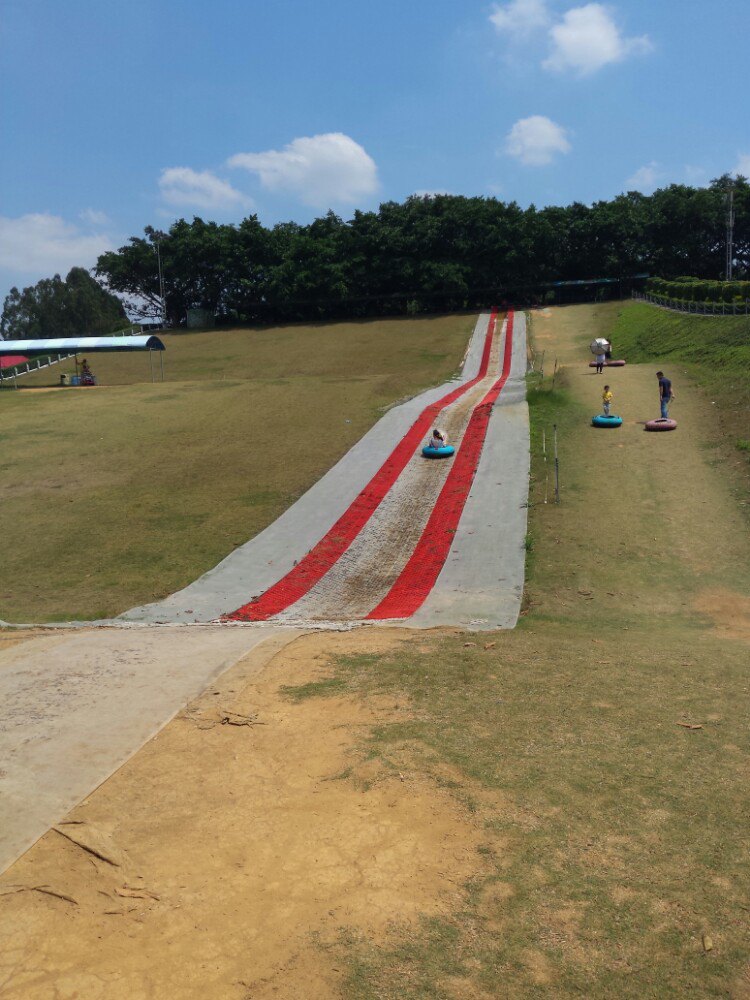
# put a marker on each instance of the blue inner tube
(438, 452)
(601, 421)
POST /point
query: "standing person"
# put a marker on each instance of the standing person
(665, 394)
(600, 359)
(607, 397)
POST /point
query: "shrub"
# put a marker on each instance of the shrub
(701, 290)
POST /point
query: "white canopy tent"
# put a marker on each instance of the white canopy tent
(60, 348)
(80, 345)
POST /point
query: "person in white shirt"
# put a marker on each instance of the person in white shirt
(439, 439)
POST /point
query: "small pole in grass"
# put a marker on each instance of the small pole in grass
(557, 469)
(554, 376)
(541, 365)
(546, 467)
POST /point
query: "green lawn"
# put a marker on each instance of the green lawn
(714, 350)
(122, 494)
(615, 859)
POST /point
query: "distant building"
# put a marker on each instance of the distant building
(200, 319)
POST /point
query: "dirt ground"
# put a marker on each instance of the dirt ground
(235, 851)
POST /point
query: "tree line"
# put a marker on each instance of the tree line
(52, 307)
(433, 253)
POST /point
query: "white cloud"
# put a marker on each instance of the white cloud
(200, 189)
(321, 170)
(582, 40)
(645, 179)
(39, 245)
(588, 38)
(743, 165)
(535, 141)
(521, 18)
(92, 217)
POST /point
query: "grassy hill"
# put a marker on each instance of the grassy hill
(713, 350)
(596, 758)
(122, 494)
(601, 747)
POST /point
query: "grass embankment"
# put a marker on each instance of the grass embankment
(122, 494)
(614, 861)
(714, 350)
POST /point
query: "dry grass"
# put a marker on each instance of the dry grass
(122, 494)
(614, 832)
(611, 859)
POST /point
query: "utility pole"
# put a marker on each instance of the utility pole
(161, 285)
(730, 231)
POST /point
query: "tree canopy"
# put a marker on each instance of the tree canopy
(430, 253)
(76, 307)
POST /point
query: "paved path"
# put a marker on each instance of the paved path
(75, 705)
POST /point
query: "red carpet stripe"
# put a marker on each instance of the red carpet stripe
(418, 577)
(332, 546)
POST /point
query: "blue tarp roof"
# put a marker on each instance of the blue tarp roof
(80, 345)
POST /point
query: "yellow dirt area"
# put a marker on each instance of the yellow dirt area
(239, 851)
(729, 611)
(12, 637)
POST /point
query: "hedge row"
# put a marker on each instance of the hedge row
(710, 308)
(700, 290)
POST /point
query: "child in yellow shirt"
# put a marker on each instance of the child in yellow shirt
(607, 397)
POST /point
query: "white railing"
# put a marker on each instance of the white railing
(694, 308)
(11, 374)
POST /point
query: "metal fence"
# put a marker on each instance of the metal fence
(695, 308)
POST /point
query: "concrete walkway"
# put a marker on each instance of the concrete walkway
(75, 705)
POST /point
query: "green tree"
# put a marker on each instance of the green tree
(76, 307)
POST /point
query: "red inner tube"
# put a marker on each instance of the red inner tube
(660, 425)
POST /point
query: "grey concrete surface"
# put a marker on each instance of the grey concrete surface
(481, 584)
(74, 706)
(261, 562)
(365, 573)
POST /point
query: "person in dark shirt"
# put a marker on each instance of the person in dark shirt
(665, 394)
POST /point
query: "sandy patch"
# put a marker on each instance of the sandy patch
(729, 611)
(14, 637)
(223, 858)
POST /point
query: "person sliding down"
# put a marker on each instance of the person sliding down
(439, 439)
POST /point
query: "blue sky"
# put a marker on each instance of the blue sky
(117, 114)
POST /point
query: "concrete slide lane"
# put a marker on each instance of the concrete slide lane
(261, 563)
(75, 705)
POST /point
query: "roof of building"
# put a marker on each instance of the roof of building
(80, 345)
